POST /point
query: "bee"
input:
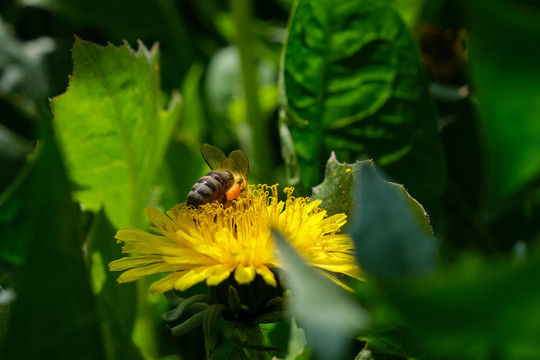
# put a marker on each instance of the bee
(227, 180)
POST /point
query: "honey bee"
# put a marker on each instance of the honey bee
(227, 180)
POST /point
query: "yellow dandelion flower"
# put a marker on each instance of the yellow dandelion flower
(212, 242)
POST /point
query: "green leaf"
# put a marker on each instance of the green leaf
(54, 312)
(390, 229)
(112, 128)
(330, 317)
(297, 343)
(352, 83)
(505, 74)
(278, 334)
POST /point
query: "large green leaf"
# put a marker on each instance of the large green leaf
(352, 83)
(504, 60)
(112, 128)
(54, 312)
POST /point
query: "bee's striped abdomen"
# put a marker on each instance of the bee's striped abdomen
(211, 187)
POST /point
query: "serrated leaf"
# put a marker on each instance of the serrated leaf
(336, 190)
(390, 229)
(330, 317)
(351, 82)
(112, 128)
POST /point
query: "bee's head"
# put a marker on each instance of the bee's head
(242, 183)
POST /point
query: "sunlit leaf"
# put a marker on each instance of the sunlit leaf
(112, 128)
(352, 83)
(390, 229)
(329, 316)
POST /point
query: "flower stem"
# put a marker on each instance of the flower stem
(260, 145)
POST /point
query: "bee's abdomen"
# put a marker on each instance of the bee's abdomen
(211, 187)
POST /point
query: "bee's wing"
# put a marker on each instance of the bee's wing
(237, 161)
(213, 156)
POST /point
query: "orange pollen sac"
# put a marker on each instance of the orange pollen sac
(233, 192)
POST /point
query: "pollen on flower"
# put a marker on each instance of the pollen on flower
(213, 242)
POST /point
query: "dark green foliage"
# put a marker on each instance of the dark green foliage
(440, 96)
(55, 312)
(352, 84)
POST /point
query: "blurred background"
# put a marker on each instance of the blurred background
(480, 61)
